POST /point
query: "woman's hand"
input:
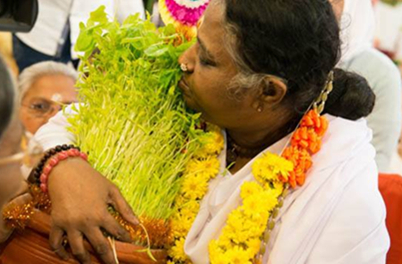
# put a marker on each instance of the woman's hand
(80, 199)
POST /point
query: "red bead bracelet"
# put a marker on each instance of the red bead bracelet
(53, 161)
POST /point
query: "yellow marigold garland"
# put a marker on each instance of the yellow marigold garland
(199, 171)
(250, 223)
(246, 224)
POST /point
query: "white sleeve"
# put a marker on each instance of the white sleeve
(55, 132)
(129, 7)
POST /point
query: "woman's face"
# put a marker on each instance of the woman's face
(210, 70)
(338, 6)
(44, 99)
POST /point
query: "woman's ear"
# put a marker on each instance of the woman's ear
(270, 93)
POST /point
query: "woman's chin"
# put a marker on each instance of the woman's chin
(190, 104)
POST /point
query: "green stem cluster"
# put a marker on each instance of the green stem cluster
(132, 120)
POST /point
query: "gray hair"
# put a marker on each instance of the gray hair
(246, 78)
(31, 74)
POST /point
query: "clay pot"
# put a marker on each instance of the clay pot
(32, 247)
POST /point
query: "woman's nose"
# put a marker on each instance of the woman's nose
(187, 60)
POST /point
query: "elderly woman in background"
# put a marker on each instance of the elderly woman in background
(44, 88)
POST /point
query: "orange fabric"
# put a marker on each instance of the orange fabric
(390, 186)
(32, 247)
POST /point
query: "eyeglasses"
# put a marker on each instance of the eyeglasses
(42, 107)
(31, 152)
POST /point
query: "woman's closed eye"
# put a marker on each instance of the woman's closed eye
(206, 62)
(204, 57)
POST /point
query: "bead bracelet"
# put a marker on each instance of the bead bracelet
(51, 158)
(53, 161)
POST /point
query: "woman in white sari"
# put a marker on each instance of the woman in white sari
(255, 70)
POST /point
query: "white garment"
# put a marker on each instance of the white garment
(338, 216)
(357, 27)
(53, 15)
(388, 29)
(55, 131)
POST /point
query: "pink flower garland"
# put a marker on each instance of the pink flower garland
(185, 15)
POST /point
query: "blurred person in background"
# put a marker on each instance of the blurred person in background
(12, 186)
(388, 31)
(388, 39)
(358, 55)
(44, 88)
(57, 28)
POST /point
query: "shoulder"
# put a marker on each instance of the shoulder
(376, 58)
(376, 67)
(345, 139)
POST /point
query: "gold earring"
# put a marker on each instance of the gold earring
(183, 67)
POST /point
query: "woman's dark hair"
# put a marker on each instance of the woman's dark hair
(6, 97)
(297, 40)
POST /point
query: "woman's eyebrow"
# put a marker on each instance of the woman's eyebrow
(204, 49)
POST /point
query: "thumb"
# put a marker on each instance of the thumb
(121, 206)
(21, 199)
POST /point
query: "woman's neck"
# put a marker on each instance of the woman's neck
(254, 140)
(243, 146)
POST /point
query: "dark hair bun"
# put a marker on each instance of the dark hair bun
(351, 98)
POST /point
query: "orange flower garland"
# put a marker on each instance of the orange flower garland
(305, 142)
(245, 236)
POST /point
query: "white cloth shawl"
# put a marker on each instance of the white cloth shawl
(336, 217)
(357, 28)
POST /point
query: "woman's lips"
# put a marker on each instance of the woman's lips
(184, 87)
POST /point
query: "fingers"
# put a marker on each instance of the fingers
(101, 246)
(121, 206)
(115, 229)
(76, 242)
(21, 199)
(56, 238)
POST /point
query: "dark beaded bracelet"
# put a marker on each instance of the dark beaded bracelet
(37, 171)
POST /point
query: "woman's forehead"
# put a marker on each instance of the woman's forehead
(213, 15)
(212, 32)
